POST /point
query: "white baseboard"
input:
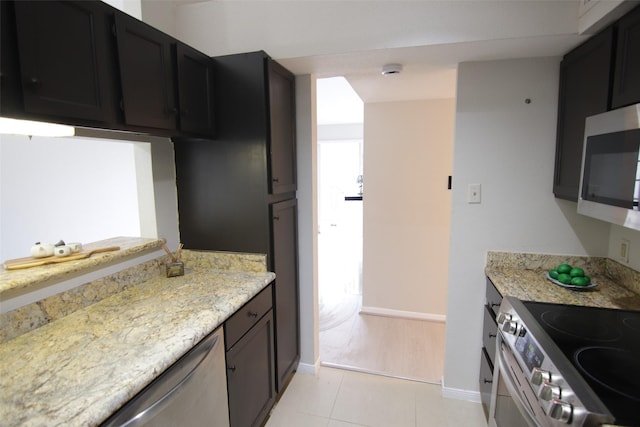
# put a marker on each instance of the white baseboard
(388, 312)
(459, 394)
(308, 368)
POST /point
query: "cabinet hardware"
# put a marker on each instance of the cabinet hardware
(276, 218)
(232, 368)
(492, 335)
(252, 314)
(486, 381)
(276, 179)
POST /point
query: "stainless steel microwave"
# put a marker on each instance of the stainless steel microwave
(610, 177)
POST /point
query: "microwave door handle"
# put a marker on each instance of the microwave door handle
(511, 388)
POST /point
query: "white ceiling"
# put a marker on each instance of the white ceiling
(356, 38)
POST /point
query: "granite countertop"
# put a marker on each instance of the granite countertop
(81, 368)
(523, 276)
(12, 281)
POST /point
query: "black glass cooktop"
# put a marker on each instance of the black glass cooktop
(604, 347)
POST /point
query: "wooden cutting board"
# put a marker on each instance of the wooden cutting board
(15, 264)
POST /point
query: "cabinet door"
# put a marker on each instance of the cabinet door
(282, 129)
(195, 91)
(584, 91)
(485, 380)
(64, 48)
(250, 380)
(285, 265)
(626, 83)
(147, 75)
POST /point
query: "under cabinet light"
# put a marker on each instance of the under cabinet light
(31, 128)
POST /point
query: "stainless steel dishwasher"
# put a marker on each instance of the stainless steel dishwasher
(192, 392)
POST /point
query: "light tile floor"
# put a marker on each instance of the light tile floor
(341, 398)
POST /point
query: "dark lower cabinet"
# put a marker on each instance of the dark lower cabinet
(488, 351)
(65, 49)
(250, 379)
(285, 261)
(486, 381)
(250, 358)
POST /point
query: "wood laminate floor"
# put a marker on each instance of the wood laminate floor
(401, 348)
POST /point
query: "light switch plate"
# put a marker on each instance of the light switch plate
(474, 193)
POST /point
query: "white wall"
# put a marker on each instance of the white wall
(66, 188)
(307, 194)
(508, 146)
(633, 237)
(407, 159)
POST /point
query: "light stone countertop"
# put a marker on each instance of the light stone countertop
(523, 276)
(16, 280)
(78, 370)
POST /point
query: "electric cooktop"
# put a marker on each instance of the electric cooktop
(603, 345)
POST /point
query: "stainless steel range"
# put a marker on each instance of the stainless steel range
(566, 365)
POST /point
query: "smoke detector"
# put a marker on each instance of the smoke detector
(391, 69)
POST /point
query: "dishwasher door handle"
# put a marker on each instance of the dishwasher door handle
(165, 387)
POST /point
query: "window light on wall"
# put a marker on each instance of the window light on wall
(33, 128)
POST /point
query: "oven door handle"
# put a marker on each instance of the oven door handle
(511, 387)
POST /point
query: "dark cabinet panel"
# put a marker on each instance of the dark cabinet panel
(485, 382)
(250, 375)
(489, 333)
(626, 83)
(584, 91)
(195, 91)
(10, 79)
(222, 195)
(285, 262)
(147, 74)
(65, 59)
(247, 316)
(282, 132)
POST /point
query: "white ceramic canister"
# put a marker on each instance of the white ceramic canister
(41, 250)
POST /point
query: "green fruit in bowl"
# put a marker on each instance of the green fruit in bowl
(564, 268)
(564, 278)
(553, 274)
(576, 272)
(580, 281)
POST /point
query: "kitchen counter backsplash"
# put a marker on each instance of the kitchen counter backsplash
(522, 275)
(32, 316)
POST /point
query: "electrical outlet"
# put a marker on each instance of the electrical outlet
(625, 245)
(474, 193)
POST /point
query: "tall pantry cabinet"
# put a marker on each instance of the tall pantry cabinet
(237, 192)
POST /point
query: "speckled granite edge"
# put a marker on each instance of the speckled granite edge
(522, 275)
(11, 280)
(625, 276)
(531, 261)
(35, 315)
(32, 316)
(81, 368)
(229, 261)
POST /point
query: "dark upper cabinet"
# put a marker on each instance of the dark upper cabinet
(626, 80)
(285, 263)
(585, 78)
(10, 79)
(64, 49)
(147, 74)
(195, 91)
(282, 129)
